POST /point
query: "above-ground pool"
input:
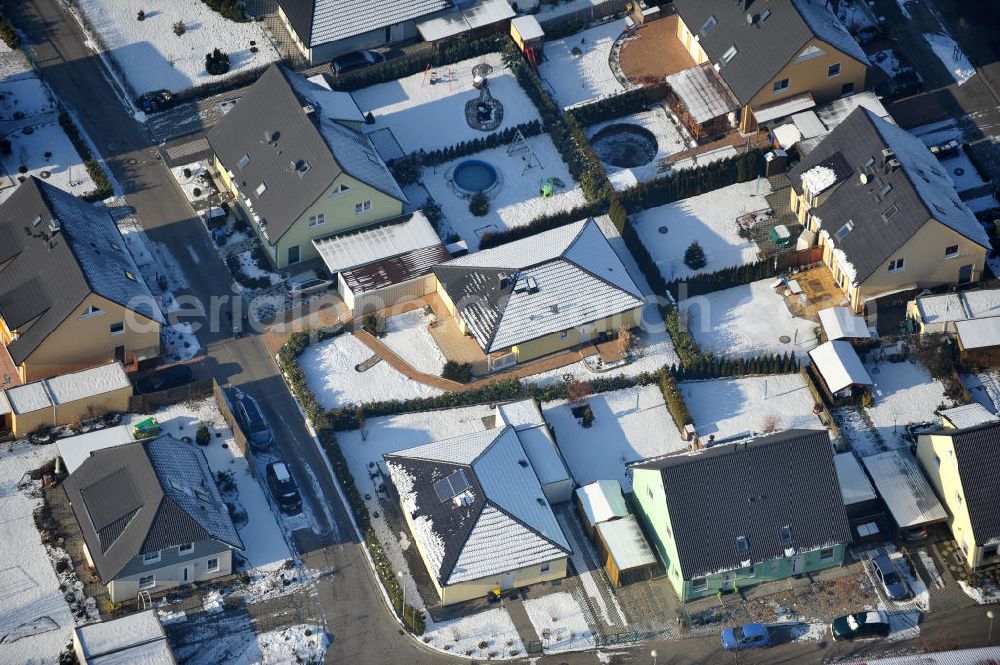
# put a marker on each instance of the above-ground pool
(625, 145)
(473, 176)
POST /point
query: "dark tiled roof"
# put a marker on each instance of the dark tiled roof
(920, 190)
(764, 48)
(50, 273)
(752, 489)
(977, 450)
(394, 269)
(145, 497)
(319, 22)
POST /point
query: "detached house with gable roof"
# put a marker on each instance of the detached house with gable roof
(478, 514)
(71, 296)
(885, 211)
(738, 514)
(293, 158)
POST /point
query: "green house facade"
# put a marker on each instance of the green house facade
(736, 515)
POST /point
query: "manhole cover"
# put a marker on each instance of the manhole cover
(784, 339)
(663, 230)
(959, 171)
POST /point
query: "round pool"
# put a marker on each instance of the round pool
(625, 145)
(473, 176)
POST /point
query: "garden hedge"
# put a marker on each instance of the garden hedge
(102, 184)
(632, 101)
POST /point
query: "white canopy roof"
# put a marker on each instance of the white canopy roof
(905, 490)
(979, 333)
(602, 500)
(625, 542)
(854, 484)
(839, 365)
(840, 322)
(357, 247)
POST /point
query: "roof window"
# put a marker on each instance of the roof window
(451, 486)
(730, 53)
(709, 24)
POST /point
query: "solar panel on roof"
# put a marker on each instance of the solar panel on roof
(451, 486)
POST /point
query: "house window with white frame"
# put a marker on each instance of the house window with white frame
(780, 86)
(950, 251)
(317, 220)
(826, 554)
(147, 581)
(363, 207)
(213, 565)
(339, 189)
(833, 71)
(244, 160)
(185, 548)
(896, 265)
(730, 53)
(151, 557)
(93, 310)
(117, 328)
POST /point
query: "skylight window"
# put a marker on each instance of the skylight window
(786, 535)
(885, 190)
(261, 188)
(890, 212)
(870, 163)
(844, 230)
(244, 160)
(728, 56)
(709, 24)
(451, 486)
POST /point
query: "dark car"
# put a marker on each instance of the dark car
(893, 585)
(252, 421)
(862, 624)
(156, 100)
(280, 482)
(304, 287)
(164, 379)
(355, 60)
(750, 636)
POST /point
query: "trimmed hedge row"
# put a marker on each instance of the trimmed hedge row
(692, 182)
(102, 184)
(8, 33)
(635, 100)
(674, 399)
(541, 224)
(725, 278)
(710, 367)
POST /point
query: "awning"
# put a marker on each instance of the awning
(841, 323)
(904, 488)
(703, 93)
(839, 365)
(465, 17)
(854, 484)
(358, 247)
(785, 107)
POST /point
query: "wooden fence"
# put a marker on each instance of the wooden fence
(582, 17)
(148, 402)
(225, 407)
(799, 258)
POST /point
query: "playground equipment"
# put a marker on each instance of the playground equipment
(145, 429)
(519, 147)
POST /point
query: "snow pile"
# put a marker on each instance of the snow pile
(179, 341)
(559, 622)
(818, 178)
(301, 643)
(212, 602)
(985, 593)
(574, 79)
(951, 56)
(493, 629)
(152, 56)
(44, 151)
(408, 336)
(904, 393)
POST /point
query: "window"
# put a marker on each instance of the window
(950, 251)
(809, 53)
(844, 230)
(451, 486)
(670, 534)
(147, 581)
(261, 188)
(885, 190)
(544, 569)
(340, 189)
(564, 335)
(780, 86)
(317, 220)
(870, 162)
(896, 265)
(847, 89)
(186, 548)
(115, 246)
(363, 207)
(93, 310)
(117, 328)
(741, 545)
(649, 492)
(728, 56)
(699, 584)
(890, 212)
(709, 24)
(213, 565)
(826, 554)
(244, 160)
(786, 535)
(151, 557)
(833, 70)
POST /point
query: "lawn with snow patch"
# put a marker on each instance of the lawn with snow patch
(951, 56)
(559, 621)
(47, 153)
(330, 371)
(301, 643)
(153, 57)
(408, 336)
(629, 425)
(25, 97)
(669, 141)
(573, 79)
(747, 320)
(462, 637)
(904, 393)
(731, 407)
(962, 171)
(190, 179)
(708, 219)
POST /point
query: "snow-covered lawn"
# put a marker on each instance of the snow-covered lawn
(189, 177)
(331, 374)
(747, 320)
(629, 425)
(709, 219)
(301, 643)
(730, 407)
(951, 56)
(904, 393)
(517, 201)
(408, 336)
(428, 115)
(35, 621)
(26, 96)
(251, 269)
(463, 636)
(669, 141)
(47, 153)
(574, 79)
(962, 171)
(153, 57)
(179, 341)
(559, 621)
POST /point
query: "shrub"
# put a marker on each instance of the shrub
(203, 437)
(103, 188)
(726, 278)
(187, 173)
(216, 62)
(141, 16)
(479, 204)
(231, 9)
(627, 103)
(8, 33)
(577, 391)
(374, 326)
(196, 191)
(179, 28)
(694, 256)
(455, 371)
(674, 400)
(431, 210)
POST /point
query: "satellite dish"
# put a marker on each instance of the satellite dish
(864, 179)
(750, 18)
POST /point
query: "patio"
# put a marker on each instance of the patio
(818, 292)
(654, 53)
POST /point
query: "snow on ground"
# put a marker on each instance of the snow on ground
(179, 341)
(703, 159)
(653, 350)
(331, 374)
(887, 61)
(301, 643)
(919, 598)
(425, 115)
(951, 56)
(190, 183)
(153, 57)
(408, 336)
(35, 621)
(903, 625)
(985, 389)
(742, 406)
(517, 201)
(853, 15)
(982, 203)
(559, 622)
(862, 439)
(251, 269)
(463, 636)
(629, 425)
(26, 96)
(709, 219)
(986, 593)
(962, 171)
(904, 393)
(14, 64)
(669, 141)
(942, 131)
(747, 320)
(47, 153)
(575, 79)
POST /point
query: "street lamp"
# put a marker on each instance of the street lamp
(402, 607)
(989, 634)
(653, 655)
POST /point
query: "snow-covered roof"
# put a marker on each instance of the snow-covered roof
(521, 414)
(840, 323)
(335, 104)
(68, 388)
(466, 16)
(528, 27)
(978, 333)
(839, 365)
(317, 22)
(357, 247)
(704, 95)
(832, 114)
(944, 308)
(854, 484)
(968, 415)
(905, 490)
(787, 135)
(602, 501)
(75, 449)
(981, 303)
(809, 124)
(784, 108)
(526, 419)
(476, 505)
(136, 638)
(819, 178)
(28, 398)
(626, 543)
(529, 288)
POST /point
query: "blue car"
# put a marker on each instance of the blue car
(750, 636)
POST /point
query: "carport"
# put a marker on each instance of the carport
(904, 489)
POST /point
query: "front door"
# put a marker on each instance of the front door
(727, 583)
(120, 354)
(796, 565)
(185, 574)
(965, 273)
(293, 254)
(508, 581)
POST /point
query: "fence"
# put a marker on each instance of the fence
(799, 258)
(567, 21)
(239, 438)
(147, 402)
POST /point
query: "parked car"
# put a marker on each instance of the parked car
(355, 60)
(893, 585)
(283, 487)
(252, 421)
(156, 100)
(862, 624)
(164, 379)
(308, 286)
(914, 534)
(749, 636)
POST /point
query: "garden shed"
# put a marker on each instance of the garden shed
(600, 501)
(626, 554)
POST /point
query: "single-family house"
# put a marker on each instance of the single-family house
(542, 294)
(734, 515)
(71, 296)
(478, 515)
(152, 517)
(961, 465)
(778, 57)
(885, 212)
(293, 159)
